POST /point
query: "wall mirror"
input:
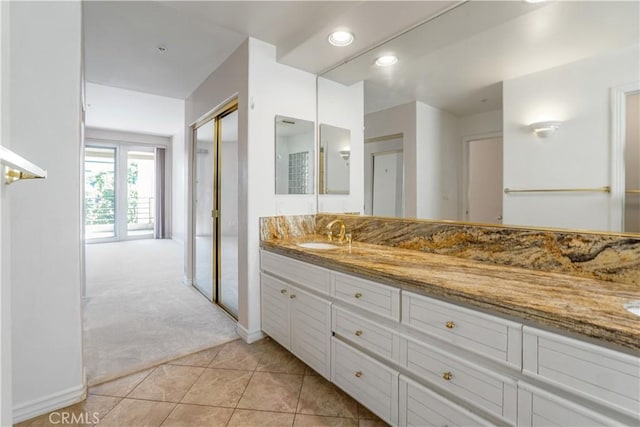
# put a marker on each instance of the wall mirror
(333, 160)
(294, 155)
(508, 112)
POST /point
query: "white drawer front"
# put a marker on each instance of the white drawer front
(481, 333)
(592, 371)
(299, 272)
(366, 380)
(421, 407)
(537, 408)
(275, 309)
(491, 392)
(367, 334)
(379, 299)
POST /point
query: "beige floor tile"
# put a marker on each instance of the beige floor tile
(372, 423)
(278, 359)
(85, 413)
(238, 355)
(365, 413)
(120, 387)
(196, 416)
(202, 358)
(218, 387)
(320, 397)
(137, 413)
(245, 417)
(272, 392)
(319, 421)
(167, 383)
(310, 371)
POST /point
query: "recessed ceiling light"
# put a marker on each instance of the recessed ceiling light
(341, 38)
(535, 1)
(386, 60)
(161, 49)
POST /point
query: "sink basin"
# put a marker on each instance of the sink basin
(318, 245)
(633, 307)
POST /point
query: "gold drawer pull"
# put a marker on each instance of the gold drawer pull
(283, 291)
(358, 374)
(358, 332)
(447, 376)
(358, 295)
(292, 296)
(450, 324)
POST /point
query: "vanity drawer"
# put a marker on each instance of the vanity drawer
(379, 299)
(480, 333)
(367, 334)
(491, 392)
(421, 407)
(299, 272)
(366, 380)
(592, 371)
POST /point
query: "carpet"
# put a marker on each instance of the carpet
(138, 313)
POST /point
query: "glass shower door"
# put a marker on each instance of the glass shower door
(205, 238)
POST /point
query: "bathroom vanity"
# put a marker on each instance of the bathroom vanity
(427, 339)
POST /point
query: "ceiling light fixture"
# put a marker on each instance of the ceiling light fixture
(341, 38)
(386, 60)
(161, 49)
(545, 129)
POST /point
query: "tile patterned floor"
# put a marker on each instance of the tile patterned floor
(234, 384)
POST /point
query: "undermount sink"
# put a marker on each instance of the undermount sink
(633, 307)
(318, 245)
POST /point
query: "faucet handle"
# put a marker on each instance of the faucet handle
(329, 235)
(348, 238)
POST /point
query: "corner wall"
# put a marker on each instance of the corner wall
(45, 217)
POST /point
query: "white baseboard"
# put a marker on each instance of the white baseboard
(249, 337)
(58, 400)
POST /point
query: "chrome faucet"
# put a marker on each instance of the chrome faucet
(342, 235)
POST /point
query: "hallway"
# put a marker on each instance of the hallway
(138, 313)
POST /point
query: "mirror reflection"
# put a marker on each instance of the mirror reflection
(508, 112)
(294, 155)
(334, 158)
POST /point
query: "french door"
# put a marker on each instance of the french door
(120, 188)
(215, 195)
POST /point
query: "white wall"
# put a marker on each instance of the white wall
(45, 217)
(481, 123)
(179, 159)
(577, 155)
(343, 107)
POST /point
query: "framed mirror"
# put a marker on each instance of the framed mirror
(295, 160)
(333, 160)
(528, 106)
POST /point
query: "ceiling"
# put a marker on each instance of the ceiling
(122, 37)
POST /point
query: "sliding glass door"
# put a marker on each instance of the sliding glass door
(120, 192)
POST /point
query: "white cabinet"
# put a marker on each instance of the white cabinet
(538, 408)
(378, 299)
(299, 321)
(421, 407)
(370, 382)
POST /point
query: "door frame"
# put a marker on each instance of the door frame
(216, 115)
(618, 134)
(463, 202)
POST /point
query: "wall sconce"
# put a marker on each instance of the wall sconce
(345, 154)
(544, 129)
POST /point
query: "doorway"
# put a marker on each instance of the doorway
(483, 201)
(384, 176)
(631, 219)
(215, 218)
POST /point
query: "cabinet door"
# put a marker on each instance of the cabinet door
(539, 408)
(275, 296)
(311, 330)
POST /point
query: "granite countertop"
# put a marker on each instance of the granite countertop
(588, 307)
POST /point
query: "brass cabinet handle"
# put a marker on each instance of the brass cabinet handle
(358, 295)
(283, 291)
(447, 376)
(358, 332)
(358, 374)
(292, 296)
(450, 324)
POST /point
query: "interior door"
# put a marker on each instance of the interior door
(484, 187)
(387, 184)
(204, 226)
(632, 165)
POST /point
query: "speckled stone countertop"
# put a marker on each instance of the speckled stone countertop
(583, 306)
